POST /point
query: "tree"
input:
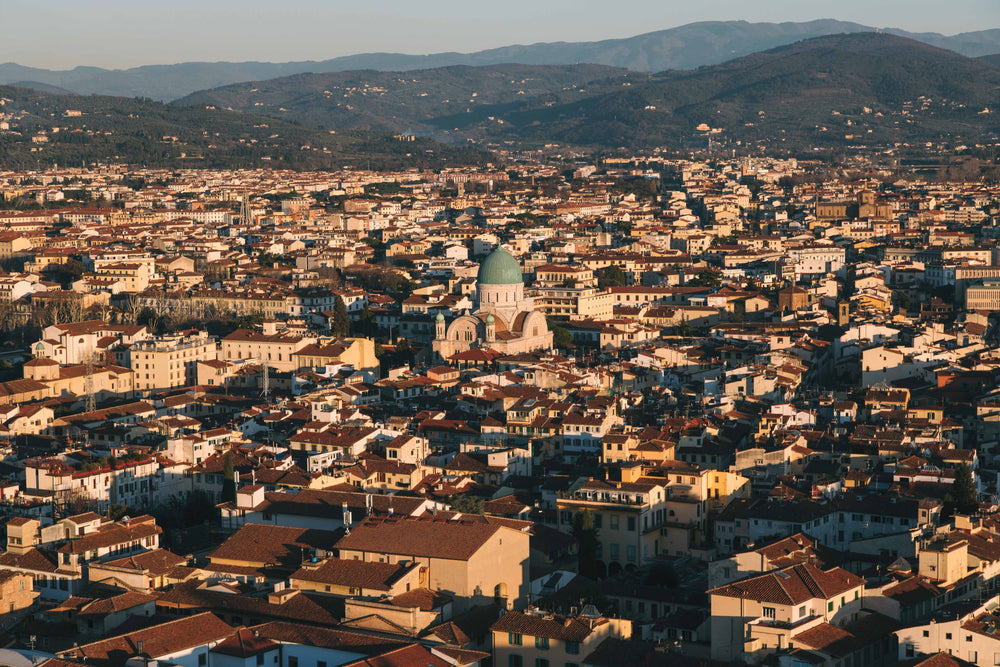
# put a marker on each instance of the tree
(340, 325)
(467, 504)
(561, 337)
(902, 300)
(366, 325)
(228, 480)
(965, 497)
(611, 276)
(587, 539)
(707, 278)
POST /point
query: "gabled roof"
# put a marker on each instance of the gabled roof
(158, 640)
(792, 585)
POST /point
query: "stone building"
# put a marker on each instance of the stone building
(505, 320)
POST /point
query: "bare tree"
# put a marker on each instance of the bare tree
(131, 308)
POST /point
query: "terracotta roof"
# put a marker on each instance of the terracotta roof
(413, 655)
(551, 626)
(244, 643)
(451, 540)
(272, 545)
(792, 585)
(158, 640)
(356, 573)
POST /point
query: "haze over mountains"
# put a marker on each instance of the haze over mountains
(860, 88)
(684, 47)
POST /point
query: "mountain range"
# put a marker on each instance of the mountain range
(837, 90)
(684, 47)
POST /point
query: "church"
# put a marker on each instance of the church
(504, 320)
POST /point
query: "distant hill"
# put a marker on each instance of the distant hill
(859, 88)
(856, 89)
(415, 101)
(993, 59)
(684, 47)
(128, 130)
(41, 87)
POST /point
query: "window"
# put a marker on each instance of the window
(768, 612)
(947, 635)
(802, 611)
(202, 660)
(293, 661)
(260, 658)
(631, 523)
(573, 648)
(927, 633)
(614, 522)
(541, 662)
(515, 661)
(514, 639)
(541, 642)
(829, 606)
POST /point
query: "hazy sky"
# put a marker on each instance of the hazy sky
(60, 34)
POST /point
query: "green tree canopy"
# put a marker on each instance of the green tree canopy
(588, 539)
(228, 480)
(340, 325)
(612, 276)
(965, 497)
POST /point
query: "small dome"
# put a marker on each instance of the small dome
(440, 317)
(489, 319)
(500, 268)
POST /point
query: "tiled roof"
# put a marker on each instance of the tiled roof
(792, 585)
(273, 545)
(451, 540)
(356, 573)
(553, 627)
(244, 643)
(292, 606)
(158, 640)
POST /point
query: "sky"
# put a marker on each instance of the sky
(62, 34)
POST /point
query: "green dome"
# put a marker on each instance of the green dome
(489, 319)
(440, 316)
(499, 268)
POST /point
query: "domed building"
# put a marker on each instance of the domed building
(504, 320)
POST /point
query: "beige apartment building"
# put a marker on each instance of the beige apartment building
(275, 348)
(534, 637)
(575, 302)
(984, 296)
(641, 518)
(71, 380)
(356, 352)
(170, 361)
(134, 277)
(475, 561)
(754, 617)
